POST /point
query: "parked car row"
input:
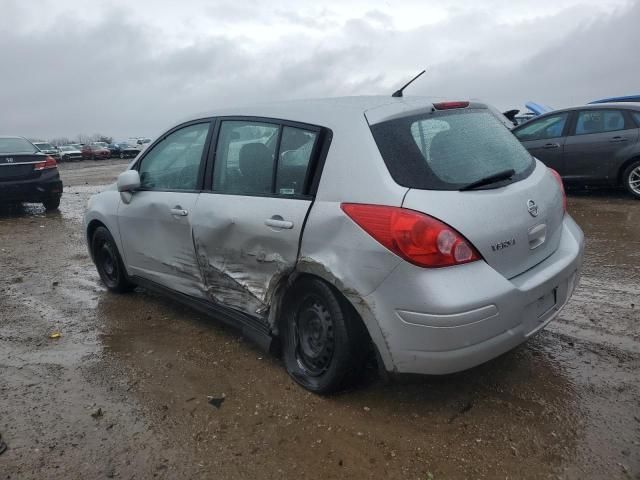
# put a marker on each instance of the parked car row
(92, 151)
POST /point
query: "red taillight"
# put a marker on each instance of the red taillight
(416, 237)
(49, 162)
(450, 105)
(564, 195)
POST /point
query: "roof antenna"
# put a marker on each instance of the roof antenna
(398, 93)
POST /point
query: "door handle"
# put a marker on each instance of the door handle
(618, 139)
(552, 145)
(179, 211)
(278, 222)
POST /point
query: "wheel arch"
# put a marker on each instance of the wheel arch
(283, 292)
(92, 226)
(624, 166)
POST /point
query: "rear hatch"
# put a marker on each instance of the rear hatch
(513, 219)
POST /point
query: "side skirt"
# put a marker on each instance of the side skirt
(251, 328)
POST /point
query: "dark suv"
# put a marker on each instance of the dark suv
(588, 145)
(27, 174)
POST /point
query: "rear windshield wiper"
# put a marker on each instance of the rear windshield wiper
(496, 177)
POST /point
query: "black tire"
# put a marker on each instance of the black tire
(121, 154)
(93, 157)
(631, 179)
(108, 262)
(324, 342)
(51, 204)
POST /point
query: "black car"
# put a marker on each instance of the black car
(589, 145)
(27, 174)
(123, 150)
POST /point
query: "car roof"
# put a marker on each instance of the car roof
(598, 106)
(330, 112)
(594, 106)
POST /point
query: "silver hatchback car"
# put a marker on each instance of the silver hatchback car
(329, 229)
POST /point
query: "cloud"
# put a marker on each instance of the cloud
(125, 74)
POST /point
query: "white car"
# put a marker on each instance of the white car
(69, 153)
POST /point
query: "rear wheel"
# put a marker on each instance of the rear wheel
(324, 342)
(51, 204)
(631, 179)
(108, 261)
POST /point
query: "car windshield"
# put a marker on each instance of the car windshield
(44, 146)
(449, 150)
(16, 145)
(66, 148)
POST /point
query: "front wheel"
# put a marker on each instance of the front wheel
(108, 261)
(631, 179)
(324, 342)
(121, 154)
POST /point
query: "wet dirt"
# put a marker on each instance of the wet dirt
(125, 391)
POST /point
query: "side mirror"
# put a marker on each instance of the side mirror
(128, 181)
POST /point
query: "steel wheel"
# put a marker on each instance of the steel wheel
(324, 343)
(314, 336)
(108, 261)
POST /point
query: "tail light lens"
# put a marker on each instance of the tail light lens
(416, 237)
(49, 162)
(564, 195)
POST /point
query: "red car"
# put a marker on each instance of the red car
(95, 152)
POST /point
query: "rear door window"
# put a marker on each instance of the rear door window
(599, 121)
(258, 158)
(551, 126)
(446, 151)
(245, 156)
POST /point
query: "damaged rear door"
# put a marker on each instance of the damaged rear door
(247, 226)
(155, 223)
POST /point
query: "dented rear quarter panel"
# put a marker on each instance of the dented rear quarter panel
(333, 246)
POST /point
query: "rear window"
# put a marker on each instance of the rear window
(448, 150)
(16, 145)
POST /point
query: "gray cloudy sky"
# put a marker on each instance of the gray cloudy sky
(127, 68)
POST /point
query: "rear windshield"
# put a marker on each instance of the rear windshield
(16, 145)
(448, 150)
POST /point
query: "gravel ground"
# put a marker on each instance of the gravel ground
(123, 392)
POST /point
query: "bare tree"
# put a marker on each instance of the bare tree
(57, 141)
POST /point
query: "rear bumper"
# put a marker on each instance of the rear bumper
(36, 190)
(439, 321)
